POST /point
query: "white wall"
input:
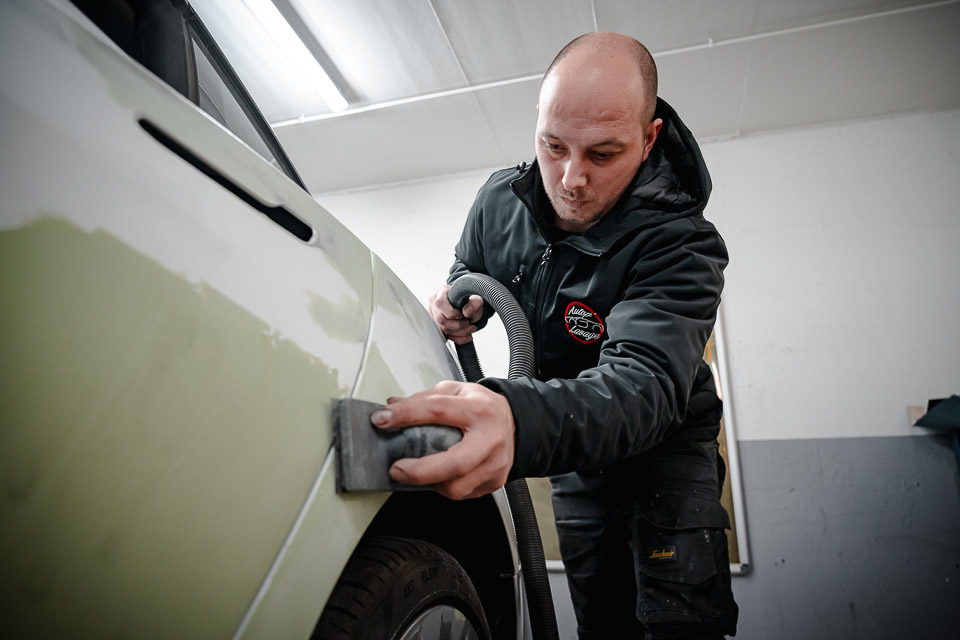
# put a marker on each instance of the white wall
(842, 303)
(414, 227)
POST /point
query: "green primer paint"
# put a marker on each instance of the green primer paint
(329, 532)
(158, 441)
(430, 375)
(377, 382)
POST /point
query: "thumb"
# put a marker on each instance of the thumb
(473, 308)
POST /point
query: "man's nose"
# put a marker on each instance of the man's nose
(574, 175)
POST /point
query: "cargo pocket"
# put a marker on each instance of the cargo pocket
(678, 556)
(682, 563)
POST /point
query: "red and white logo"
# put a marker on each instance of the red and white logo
(583, 323)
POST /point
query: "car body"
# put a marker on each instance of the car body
(178, 314)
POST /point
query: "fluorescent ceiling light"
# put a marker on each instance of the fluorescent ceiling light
(300, 57)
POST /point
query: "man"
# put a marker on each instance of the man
(603, 243)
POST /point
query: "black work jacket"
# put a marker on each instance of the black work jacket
(620, 313)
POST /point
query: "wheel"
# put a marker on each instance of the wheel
(402, 589)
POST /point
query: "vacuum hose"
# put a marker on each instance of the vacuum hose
(543, 618)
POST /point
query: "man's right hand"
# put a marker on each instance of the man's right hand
(456, 326)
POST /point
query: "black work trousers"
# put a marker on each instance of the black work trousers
(644, 546)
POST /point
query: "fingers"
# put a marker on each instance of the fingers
(472, 485)
(476, 465)
(462, 334)
(454, 324)
(450, 403)
(473, 309)
(467, 470)
(472, 452)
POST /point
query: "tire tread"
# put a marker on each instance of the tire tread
(376, 566)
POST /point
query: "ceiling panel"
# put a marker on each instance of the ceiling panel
(500, 39)
(786, 14)
(855, 70)
(511, 112)
(662, 25)
(384, 50)
(706, 88)
(754, 77)
(431, 138)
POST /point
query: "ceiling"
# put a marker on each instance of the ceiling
(445, 86)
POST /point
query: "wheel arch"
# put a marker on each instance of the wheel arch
(475, 532)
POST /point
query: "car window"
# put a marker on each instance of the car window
(215, 98)
(220, 93)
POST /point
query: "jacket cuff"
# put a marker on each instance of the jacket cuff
(525, 441)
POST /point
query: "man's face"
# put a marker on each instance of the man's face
(590, 142)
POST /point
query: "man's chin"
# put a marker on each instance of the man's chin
(574, 213)
(577, 220)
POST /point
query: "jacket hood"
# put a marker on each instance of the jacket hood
(673, 182)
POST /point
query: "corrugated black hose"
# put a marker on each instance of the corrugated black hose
(543, 618)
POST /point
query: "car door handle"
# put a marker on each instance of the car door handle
(279, 214)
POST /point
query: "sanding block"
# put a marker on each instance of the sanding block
(364, 453)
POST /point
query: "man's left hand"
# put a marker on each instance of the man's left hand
(475, 466)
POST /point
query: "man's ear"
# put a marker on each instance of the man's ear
(650, 136)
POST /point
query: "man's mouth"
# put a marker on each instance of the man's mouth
(573, 203)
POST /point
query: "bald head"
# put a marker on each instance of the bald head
(595, 125)
(611, 57)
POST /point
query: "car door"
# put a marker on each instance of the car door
(178, 314)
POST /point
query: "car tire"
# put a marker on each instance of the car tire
(400, 589)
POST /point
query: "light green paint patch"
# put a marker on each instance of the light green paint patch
(158, 441)
(405, 337)
(346, 320)
(430, 375)
(396, 298)
(377, 382)
(348, 256)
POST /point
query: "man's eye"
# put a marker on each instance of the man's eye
(602, 155)
(554, 147)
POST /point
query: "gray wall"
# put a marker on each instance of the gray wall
(853, 538)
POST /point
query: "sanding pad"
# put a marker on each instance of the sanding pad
(364, 453)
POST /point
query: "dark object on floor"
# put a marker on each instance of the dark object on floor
(944, 415)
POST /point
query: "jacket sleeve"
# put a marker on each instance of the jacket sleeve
(638, 392)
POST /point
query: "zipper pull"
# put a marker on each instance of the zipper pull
(546, 254)
(517, 278)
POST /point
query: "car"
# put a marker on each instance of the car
(178, 316)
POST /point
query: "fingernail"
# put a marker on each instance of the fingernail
(381, 417)
(397, 474)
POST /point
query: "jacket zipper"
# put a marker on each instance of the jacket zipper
(538, 299)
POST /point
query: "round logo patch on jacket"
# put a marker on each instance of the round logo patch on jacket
(583, 324)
